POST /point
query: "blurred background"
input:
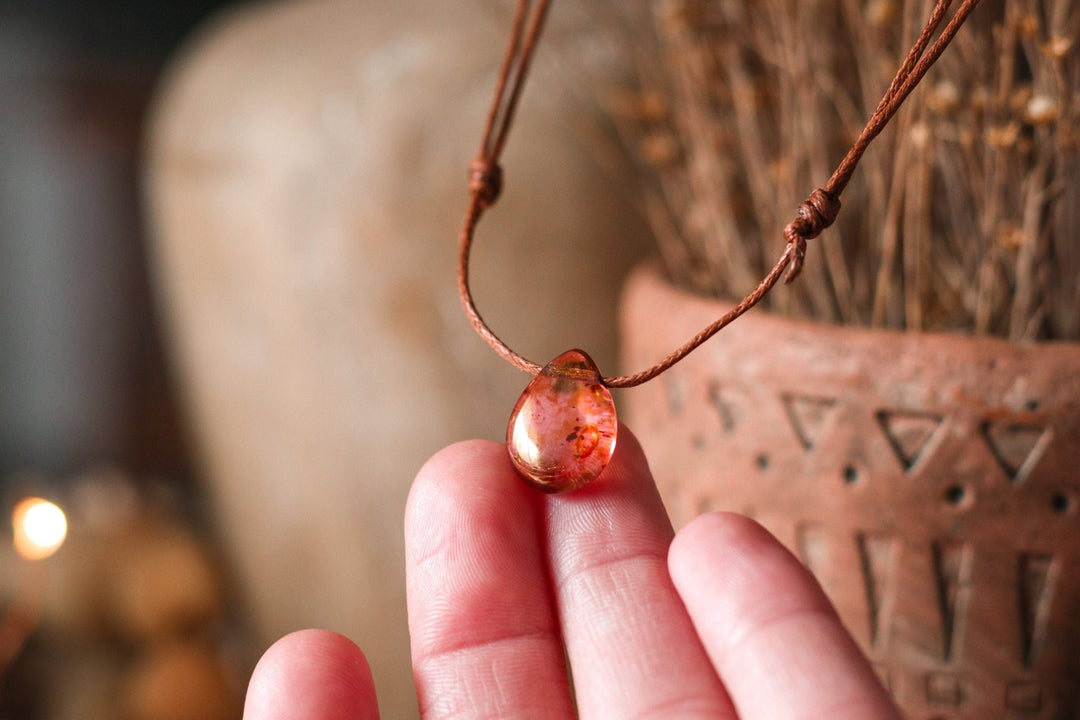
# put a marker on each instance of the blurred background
(229, 326)
(134, 609)
(229, 330)
(81, 370)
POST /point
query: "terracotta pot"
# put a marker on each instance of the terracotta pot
(931, 483)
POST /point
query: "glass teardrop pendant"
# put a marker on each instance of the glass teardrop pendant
(562, 430)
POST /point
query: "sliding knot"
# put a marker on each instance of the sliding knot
(816, 213)
(485, 181)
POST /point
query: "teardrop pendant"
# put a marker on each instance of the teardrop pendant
(562, 430)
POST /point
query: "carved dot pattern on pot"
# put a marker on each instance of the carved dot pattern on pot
(929, 482)
(957, 495)
(1060, 502)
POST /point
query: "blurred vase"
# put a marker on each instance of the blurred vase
(930, 482)
(306, 180)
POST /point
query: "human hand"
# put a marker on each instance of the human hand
(722, 622)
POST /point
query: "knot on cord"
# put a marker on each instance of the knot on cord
(816, 213)
(485, 181)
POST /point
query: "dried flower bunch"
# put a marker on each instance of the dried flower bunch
(964, 216)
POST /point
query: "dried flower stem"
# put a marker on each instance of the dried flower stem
(965, 216)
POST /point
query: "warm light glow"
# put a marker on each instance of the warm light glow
(40, 528)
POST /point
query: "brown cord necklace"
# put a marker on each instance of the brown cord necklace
(563, 428)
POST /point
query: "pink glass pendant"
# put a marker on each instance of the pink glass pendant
(562, 431)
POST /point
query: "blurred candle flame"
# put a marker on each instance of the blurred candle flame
(39, 528)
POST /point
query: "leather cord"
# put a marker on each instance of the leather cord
(813, 215)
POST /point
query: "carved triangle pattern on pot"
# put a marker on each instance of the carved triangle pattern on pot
(908, 433)
(1036, 593)
(877, 554)
(1016, 447)
(808, 416)
(952, 571)
(812, 547)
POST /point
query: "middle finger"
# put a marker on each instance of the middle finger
(632, 648)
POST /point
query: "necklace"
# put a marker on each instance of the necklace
(563, 429)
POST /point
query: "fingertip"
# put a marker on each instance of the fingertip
(459, 481)
(311, 675)
(720, 525)
(463, 463)
(485, 464)
(731, 554)
(464, 458)
(733, 537)
(464, 452)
